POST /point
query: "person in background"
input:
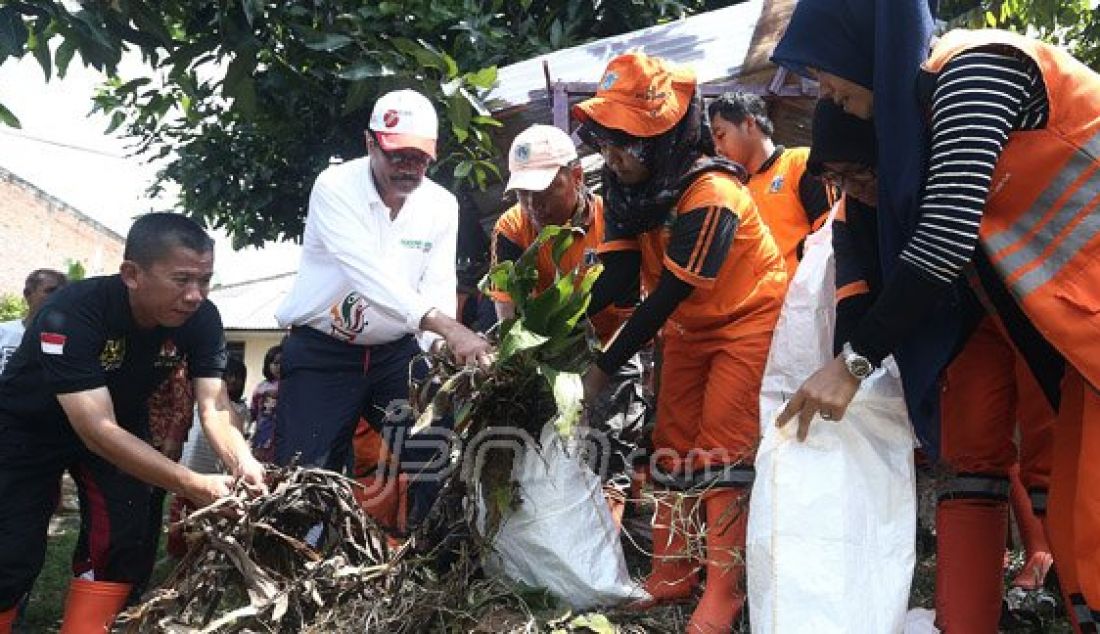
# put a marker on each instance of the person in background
(263, 403)
(792, 202)
(37, 288)
(40, 284)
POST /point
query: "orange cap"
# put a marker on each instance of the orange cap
(641, 95)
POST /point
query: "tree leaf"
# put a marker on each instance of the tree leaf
(117, 119)
(252, 9)
(518, 340)
(462, 170)
(358, 94)
(555, 34)
(13, 33)
(8, 118)
(568, 390)
(484, 78)
(487, 121)
(63, 56)
(41, 48)
(536, 312)
(238, 84)
(562, 243)
(327, 42)
(364, 69)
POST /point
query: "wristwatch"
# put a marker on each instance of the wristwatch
(858, 365)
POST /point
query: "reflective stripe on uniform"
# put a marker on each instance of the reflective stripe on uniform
(727, 476)
(1038, 501)
(975, 486)
(1082, 612)
(1039, 230)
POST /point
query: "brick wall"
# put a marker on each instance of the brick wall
(40, 231)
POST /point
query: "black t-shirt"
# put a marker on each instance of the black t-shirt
(84, 338)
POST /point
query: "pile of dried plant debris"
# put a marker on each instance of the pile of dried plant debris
(306, 558)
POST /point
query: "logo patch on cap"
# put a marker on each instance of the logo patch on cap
(609, 80)
(391, 118)
(523, 152)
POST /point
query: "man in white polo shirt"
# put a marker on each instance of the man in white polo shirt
(375, 287)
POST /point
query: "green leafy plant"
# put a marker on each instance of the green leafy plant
(12, 306)
(535, 378)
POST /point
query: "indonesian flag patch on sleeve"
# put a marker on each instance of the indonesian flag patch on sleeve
(52, 343)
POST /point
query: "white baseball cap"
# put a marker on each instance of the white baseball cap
(536, 156)
(405, 119)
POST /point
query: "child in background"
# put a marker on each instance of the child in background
(263, 406)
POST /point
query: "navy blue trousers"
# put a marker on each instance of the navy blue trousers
(327, 385)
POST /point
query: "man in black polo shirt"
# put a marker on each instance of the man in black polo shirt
(74, 397)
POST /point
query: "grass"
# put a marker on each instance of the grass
(47, 599)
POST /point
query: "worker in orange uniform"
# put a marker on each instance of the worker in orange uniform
(546, 175)
(988, 393)
(714, 282)
(1011, 129)
(792, 202)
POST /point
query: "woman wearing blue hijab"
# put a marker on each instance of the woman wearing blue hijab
(991, 139)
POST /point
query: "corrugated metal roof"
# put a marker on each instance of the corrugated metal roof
(715, 44)
(251, 305)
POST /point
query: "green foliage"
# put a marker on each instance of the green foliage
(545, 322)
(12, 307)
(535, 378)
(75, 270)
(249, 100)
(1074, 24)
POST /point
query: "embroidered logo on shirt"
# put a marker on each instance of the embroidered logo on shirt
(169, 355)
(777, 184)
(419, 245)
(52, 343)
(591, 258)
(114, 351)
(349, 317)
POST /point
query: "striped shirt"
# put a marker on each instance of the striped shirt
(980, 97)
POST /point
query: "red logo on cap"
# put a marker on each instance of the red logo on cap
(390, 118)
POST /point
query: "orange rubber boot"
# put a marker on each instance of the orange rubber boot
(724, 595)
(674, 574)
(970, 538)
(1038, 559)
(92, 606)
(7, 617)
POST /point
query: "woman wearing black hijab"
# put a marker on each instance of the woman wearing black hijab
(1011, 131)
